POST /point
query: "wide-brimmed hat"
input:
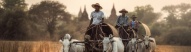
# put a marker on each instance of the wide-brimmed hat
(123, 10)
(133, 16)
(96, 4)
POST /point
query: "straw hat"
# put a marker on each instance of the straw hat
(123, 10)
(96, 4)
(133, 16)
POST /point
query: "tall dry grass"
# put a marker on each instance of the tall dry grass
(29, 46)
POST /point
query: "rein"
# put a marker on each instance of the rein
(99, 26)
(93, 46)
(124, 30)
(99, 33)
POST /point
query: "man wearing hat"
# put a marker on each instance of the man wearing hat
(134, 25)
(122, 20)
(97, 16)
(122, 25)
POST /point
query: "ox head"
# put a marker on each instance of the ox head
(66, 42)
(147, 41)
(133, 44)
(107, 43)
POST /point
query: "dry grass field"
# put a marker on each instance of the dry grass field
(29, 46)
(45, 46)
(168, 48)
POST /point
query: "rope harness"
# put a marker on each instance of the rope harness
(100, 33)
(124, 31)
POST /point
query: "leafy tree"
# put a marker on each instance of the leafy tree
(178, 36)
(146, 14)
(183, 7)
(186, 20)
(178, 14)
(12, 24)
(14, 4)
(1, 10)
(177, 24)
(47, 13)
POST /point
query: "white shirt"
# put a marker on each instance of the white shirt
(97, 17)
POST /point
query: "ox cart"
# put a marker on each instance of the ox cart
(94, 36)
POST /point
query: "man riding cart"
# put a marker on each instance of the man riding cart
(122, 24)
(96, 30)
(134, 25)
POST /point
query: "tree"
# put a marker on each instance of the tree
(48, 13)
(1, 10)
(146, 14)
(13, 20)
(14, 4)
(183, 7)
(172, 17)
(185, 11)
(177, 24)
(178, 14)
(186, 20)
(178, 36)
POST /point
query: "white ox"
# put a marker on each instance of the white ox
(149, 44)
(112, 44)
(134, 45)
(69, 46)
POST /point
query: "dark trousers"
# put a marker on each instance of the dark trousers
(124, 34)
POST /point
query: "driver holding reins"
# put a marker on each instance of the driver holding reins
(97, 16)
(122, 24)
(122, 20)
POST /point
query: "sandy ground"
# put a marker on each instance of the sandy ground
(169, 48)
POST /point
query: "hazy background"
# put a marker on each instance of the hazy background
(49, 20)
(73, 6)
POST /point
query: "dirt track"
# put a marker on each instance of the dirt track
(45, 46)
(169, 48)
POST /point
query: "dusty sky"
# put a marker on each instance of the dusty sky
(73, 6)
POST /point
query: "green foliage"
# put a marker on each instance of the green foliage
(12, 26)
(146, 14)
(47, 14)
(12, 20)
(177, 28)
(14, 4)
(178, 36)
(178, 14)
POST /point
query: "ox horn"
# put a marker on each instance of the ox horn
(148, 32)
